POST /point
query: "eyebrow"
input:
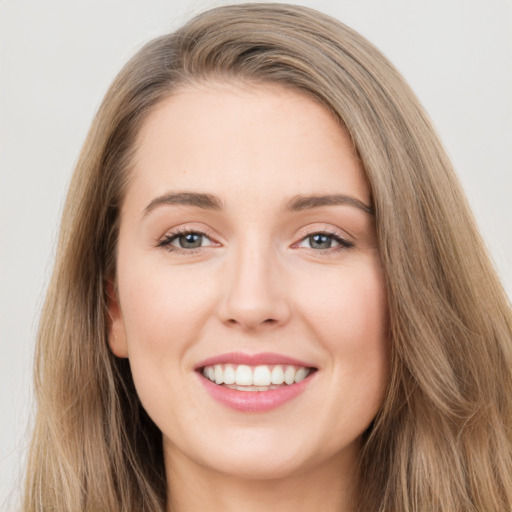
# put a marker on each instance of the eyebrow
(295, 204)
(199, 200)
(304, 202)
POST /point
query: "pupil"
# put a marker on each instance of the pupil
(191, 240)
(320, 241)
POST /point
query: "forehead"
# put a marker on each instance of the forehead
(256, 140)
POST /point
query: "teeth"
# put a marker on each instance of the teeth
(301, 374)
(277, 375)
(251, 388)
(258, 378)
(261, 376)
(229, 374)
(219, 374)
(243, 375)
(289, 375)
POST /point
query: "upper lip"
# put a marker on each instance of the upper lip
(263, 358)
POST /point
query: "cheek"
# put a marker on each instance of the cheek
(349, 304)
(164, 310)
(347, 312)
(163, 306)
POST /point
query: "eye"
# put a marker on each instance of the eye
(185, 240)
(189, 240)
(323, 241)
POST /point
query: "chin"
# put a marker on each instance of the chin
(258, 465)
(263, 453)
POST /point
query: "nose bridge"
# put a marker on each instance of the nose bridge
(254, 295)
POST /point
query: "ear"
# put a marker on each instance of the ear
(116, 329)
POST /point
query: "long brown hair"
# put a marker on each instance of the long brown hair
(442, 440)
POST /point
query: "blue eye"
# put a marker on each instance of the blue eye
(324, 241)
(189, 241)
(186, 240)
(320, 241)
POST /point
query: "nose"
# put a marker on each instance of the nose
(255, 293)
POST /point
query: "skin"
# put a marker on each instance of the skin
(257, 284)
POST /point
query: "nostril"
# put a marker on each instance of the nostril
(268, 321)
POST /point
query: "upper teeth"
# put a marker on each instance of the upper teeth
(263, 375)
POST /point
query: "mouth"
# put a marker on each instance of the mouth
(254, 383)
(242, 377)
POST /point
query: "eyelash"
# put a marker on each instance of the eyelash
(343, 244)
(166, 241)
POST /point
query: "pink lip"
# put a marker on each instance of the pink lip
(254, 401)
(252, 360)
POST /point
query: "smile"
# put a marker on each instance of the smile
(255, 378)
(254, 383)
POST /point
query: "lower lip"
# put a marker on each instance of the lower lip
(254, 401)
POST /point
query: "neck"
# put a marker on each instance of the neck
(327, 487)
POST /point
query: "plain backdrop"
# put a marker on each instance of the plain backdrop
(57, 58)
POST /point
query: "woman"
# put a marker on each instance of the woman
(269, 290)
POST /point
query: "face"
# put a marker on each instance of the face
(250, 301)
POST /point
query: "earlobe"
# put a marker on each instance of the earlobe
(115, 324)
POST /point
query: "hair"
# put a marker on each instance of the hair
(442, 439)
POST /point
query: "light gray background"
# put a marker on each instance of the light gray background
(58, 57)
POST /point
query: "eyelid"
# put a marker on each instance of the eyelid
(335, 238)
(177, 236)
(174, 233)
(324, 229)
(342, 238)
